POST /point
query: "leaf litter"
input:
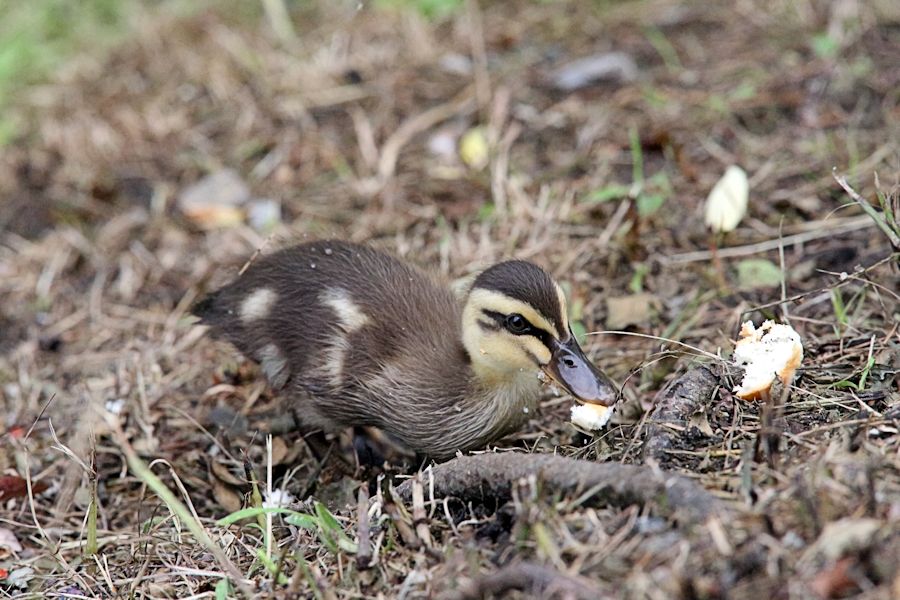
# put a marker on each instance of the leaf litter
(335, 122)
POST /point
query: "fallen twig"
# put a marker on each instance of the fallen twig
(401, 521)
(363, 534)
(390, 151)
(420, 520)
(840, 227)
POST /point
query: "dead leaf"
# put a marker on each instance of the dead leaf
(226, 419)
(279, 450)
(843, 537)
(13, 486)
(223, 473)
(836, 580)
(293, 454)
(636, 309)
(8, 543)
(226, 497)
(20, 577)
(756, 273)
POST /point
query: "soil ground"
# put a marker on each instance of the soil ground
(351, 123)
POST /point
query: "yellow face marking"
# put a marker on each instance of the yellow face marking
(349, 314)
(563, 309)
(499, 356)
(257, 305)
(536, 348)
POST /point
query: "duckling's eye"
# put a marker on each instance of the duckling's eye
(516, 323)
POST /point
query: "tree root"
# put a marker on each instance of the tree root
(491, 476)
(537, 581)
(674, 405)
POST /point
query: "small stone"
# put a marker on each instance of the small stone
(443, 144)
(581, 73)
(216, 200)
(115, 405)
(264, 214)
(455, 63)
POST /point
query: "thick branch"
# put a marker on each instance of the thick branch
(674, 405)
(536, 580)
(490, 477)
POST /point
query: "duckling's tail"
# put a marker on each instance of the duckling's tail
(208, 309)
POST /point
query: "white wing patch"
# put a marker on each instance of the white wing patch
(273, 365)
(350, 317)
(349, 314)
(257, 305)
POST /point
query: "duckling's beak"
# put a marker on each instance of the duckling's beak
(571, 369)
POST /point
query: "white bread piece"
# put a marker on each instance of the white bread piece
(591, 417)
(772, 350)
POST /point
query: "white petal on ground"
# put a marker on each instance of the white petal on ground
(115, 406)
(727, 202)
(278, 498)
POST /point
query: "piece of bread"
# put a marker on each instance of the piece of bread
(764, 353)
(591, 417)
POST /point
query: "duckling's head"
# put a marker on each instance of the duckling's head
(515, 323)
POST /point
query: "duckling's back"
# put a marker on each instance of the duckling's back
(354, 336)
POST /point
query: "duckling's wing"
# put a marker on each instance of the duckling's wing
(326, 315)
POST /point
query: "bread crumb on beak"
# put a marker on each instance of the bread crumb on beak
(764, 353)
(591, 417)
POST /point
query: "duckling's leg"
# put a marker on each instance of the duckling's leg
(374, 447)
(316, 438)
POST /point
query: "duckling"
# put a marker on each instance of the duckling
(357, 338)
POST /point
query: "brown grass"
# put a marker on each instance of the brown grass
(98, 268)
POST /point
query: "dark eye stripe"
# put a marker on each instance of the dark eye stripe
(499, 318)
